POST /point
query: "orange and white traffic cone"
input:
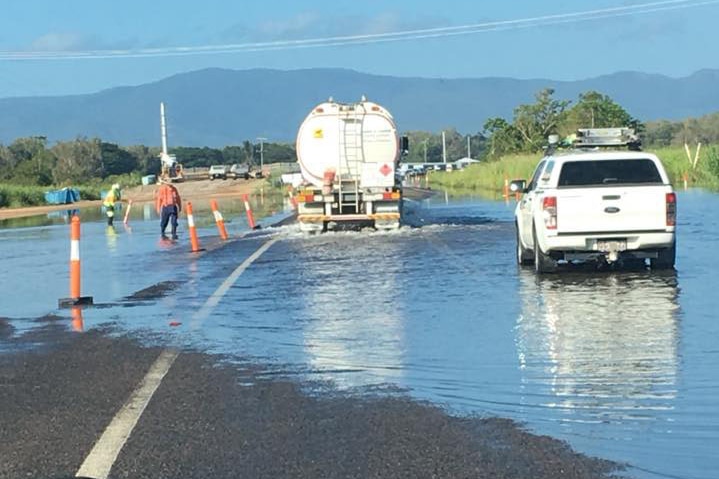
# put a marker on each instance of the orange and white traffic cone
(193, 231)
(75, 299)
(127, 213)
(219, 220)
(78, 324)
(248, 209)
(293, 200)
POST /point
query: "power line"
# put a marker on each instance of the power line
(404, 35)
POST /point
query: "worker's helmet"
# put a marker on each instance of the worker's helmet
(116, 186)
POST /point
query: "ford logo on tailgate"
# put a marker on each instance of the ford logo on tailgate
(611, 209)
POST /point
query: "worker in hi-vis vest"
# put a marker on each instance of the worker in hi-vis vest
(168, 205)
(112, 197)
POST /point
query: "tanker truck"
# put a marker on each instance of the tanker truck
(348, 154)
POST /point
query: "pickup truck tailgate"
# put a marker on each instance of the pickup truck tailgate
(609, 210)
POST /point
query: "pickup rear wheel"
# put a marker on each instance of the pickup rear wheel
(543, 263)
(524, 256)
(666, 258)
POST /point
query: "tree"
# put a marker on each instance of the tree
(249, 151)
(28, 162)
(77, 161)
(194, 156)
(146, 159)
(115, 160)
(536, 121)
(595, 110)
(660, 133)
(503, 137)
(233, 154)
(279, 153)
(24, 149)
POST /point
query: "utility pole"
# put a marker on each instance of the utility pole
(425, 150)
(262, 152)
(444, 149)
(469, 146)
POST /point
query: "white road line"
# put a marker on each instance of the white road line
(98, 463)
(100, 460)
(213, 300)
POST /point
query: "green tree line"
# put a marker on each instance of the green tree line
(31, 161)
(527, 131)
(532, 123)
(691, 130)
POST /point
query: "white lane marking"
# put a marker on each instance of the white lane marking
(214, 300)
(99, 462)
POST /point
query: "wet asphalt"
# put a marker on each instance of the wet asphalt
(209, 419)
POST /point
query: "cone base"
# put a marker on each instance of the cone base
(70, 302)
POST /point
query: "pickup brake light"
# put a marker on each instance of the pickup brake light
(671, 204)
(549, 210)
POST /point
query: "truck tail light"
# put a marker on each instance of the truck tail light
(306, 197)
(549, 208)
(390, 195)
(671, 202)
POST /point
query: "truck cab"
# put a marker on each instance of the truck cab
(589, 204)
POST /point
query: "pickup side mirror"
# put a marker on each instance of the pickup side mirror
(518, 186)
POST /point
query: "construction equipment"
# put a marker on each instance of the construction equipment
(348, 155)
(170, 169)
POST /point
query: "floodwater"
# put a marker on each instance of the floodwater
(621, 364)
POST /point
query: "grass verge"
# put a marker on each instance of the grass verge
(490, 176)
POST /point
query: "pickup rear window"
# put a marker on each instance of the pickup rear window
(609, 172)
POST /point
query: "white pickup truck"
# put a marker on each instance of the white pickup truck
(596, 206)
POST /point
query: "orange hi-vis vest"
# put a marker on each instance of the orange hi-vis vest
(167, 196)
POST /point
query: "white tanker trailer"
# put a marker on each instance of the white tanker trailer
(348, 155)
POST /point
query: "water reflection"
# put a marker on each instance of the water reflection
(111, 236)
(600, 348)
(353, 333)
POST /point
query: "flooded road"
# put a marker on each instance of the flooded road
(621, 364)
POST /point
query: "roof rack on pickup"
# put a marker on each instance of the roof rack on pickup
(597, 138)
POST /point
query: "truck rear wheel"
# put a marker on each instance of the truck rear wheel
(543, 263)
(666, 258)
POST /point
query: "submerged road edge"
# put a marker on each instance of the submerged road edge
(103, 455)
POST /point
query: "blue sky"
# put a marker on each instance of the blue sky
(677, 40)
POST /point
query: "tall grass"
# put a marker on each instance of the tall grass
(489, 176)
(16, 196)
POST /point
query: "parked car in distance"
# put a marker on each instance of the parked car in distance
(218, 171)
(238, 171)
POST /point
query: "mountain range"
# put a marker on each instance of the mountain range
(218, 107)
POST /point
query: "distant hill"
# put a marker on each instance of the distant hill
(217, 107)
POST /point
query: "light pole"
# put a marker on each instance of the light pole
(262, 152)
(444, 149)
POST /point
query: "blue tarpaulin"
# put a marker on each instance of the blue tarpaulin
(149, 180)
(63, 196)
